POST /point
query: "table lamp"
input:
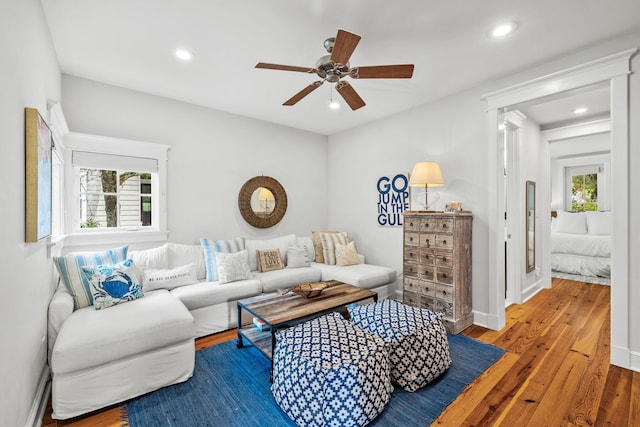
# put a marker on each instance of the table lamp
(426, 174)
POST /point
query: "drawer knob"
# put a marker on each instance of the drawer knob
(444, 258)
(444, 276)
(444, 225)
(411, 239)
(444, 292)
(410, 224)
(444, 242)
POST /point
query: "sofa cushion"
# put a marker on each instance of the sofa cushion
(297, 257)
(180, 254)
(113, 284)
(362, 275)
(90, 338)
(169, 278)
(204, 294)
(153, 258)
(287, 278)
(281, 243)
(70, 270)
(306, 243)
(210, 248)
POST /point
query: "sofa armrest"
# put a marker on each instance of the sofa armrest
(60, 308)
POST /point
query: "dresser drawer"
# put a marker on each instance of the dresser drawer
(427, 256)
(446, 307)
(428, 225)
(428, 288)
(428, 302)
(444, 275)
(426, 272)
(411, 284)
(411, 298)
(444, 258)
(427, 240)
(445, 225)
(444, 292)
(444, 241)
(411, 254)
(412, 224)
(411, 239)
(410, 269)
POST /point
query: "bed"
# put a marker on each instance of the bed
(581, 243)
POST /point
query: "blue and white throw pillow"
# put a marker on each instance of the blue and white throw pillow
(113, 284)
(211, 247)
(70, 269)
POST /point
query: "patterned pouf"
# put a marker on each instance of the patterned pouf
(418, 345)
(330, 372)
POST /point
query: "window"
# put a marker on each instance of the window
(111, 198)
(584, 192)
(582, 185)
(114, 185)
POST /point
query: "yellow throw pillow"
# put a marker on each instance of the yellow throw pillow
(269, 260)
(347, 254)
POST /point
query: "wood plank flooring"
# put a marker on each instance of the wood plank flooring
(556, 371)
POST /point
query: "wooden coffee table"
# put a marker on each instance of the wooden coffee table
(287, 310)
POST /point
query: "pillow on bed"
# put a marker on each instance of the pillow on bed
(599, 222)
(570, 222)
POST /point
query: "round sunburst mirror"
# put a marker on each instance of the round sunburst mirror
(262, 201)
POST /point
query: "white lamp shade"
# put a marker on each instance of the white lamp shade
(426, 174)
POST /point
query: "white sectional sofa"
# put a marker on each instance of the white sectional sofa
(102, 357)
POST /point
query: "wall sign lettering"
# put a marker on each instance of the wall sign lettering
(393, 199)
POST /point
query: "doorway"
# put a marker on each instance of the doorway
(612, 70)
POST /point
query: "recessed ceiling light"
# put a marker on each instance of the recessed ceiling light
(503, 29)
(580, 110)
(184, 55)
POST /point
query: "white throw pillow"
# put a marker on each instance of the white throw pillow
(181, 254)
(306, 243)
(169, 278)
(600, 223)
(282, 243)
(570, 222)
(148, 259)
(233, 266)
(297, 257)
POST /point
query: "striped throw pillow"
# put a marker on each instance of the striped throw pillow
(70, 270)
(329, 241)
(211, 247)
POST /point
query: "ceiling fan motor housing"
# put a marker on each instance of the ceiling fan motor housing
(329, 70)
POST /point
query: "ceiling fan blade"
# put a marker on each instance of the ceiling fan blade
(404, 71)
(344, 46)
(284, 67)
(304, 92)
(350, 95)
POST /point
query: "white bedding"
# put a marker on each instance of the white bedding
(581, 244)
(581, 265)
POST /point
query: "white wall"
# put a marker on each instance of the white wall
(213, 154)
(454, 131)
(29, 77)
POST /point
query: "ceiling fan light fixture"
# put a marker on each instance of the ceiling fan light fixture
(334, 105)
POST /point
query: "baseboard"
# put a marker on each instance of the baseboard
(41, 398)
(634, 360)
(621, 357)
(487, 320)
(529, 292)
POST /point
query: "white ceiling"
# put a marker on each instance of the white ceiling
(130, 43)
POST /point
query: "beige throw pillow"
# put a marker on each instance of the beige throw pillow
(329, 241)
(269, 260)
(347, 254)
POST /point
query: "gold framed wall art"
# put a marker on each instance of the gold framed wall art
(38, 176)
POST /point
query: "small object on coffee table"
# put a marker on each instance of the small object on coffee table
(309, 290)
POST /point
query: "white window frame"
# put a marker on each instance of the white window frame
(77, 236)
(570, 171)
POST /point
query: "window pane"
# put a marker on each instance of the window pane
(584, 192)
(110, 198)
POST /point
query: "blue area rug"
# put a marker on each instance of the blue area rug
(230, 387)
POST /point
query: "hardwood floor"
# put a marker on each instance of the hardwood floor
(556, 371)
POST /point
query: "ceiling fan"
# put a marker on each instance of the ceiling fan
(333, 67)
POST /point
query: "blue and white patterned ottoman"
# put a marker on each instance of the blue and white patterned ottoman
(330, 372)
(418, 345)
